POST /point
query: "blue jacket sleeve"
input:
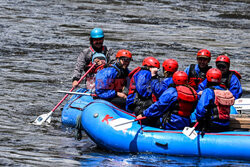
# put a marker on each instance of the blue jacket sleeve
(142, 83)
(202, 86)
(158, 87)
(163, 104)
(206, 99)
(104, 83)
(187, 70)
(235, 87)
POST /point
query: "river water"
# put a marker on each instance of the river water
(40, 42)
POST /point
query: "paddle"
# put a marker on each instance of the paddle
(190, 132)
(123, 123)
(75, 93)
(47, 117)
(242, 104)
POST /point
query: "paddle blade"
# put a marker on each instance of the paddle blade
(49, 119)
(121, 124)
(42, 118)
(190, 132)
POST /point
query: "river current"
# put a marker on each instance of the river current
(40, 42)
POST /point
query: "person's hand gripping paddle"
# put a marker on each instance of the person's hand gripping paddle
(190, 132)
(47, 117)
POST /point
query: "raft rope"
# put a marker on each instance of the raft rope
(78, 134)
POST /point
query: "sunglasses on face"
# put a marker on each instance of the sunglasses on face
(125, 59)
(202, 59)
(221, 66)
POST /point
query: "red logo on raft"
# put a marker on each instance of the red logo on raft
(106, 118)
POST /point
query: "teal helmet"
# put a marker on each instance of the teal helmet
(99, 56)
(97, 33)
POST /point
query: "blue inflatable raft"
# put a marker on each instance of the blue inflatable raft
(99, 120)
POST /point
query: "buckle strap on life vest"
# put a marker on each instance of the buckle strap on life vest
(93, 51)
(192, 72)
(225, 82)
(194, 78)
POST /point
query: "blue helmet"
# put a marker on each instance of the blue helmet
(99, 56)
(97, 33)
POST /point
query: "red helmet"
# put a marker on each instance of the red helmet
(124, 53)
(151, 62)
(180, 78)
(223, 58)
(214, 75)
(170, 65)
(204, 53)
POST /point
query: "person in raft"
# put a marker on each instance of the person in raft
(230, 78)
(197, 72)
(158, 86)
(175, 105)
(111, 81)
(213, 108)
(86, 58)
(140, 94)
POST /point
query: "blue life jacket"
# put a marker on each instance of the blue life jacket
(110, 80)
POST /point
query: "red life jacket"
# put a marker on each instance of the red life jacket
(236, 73)
(132, 86)
(224, 99)
(195, 79)
(187, 99)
